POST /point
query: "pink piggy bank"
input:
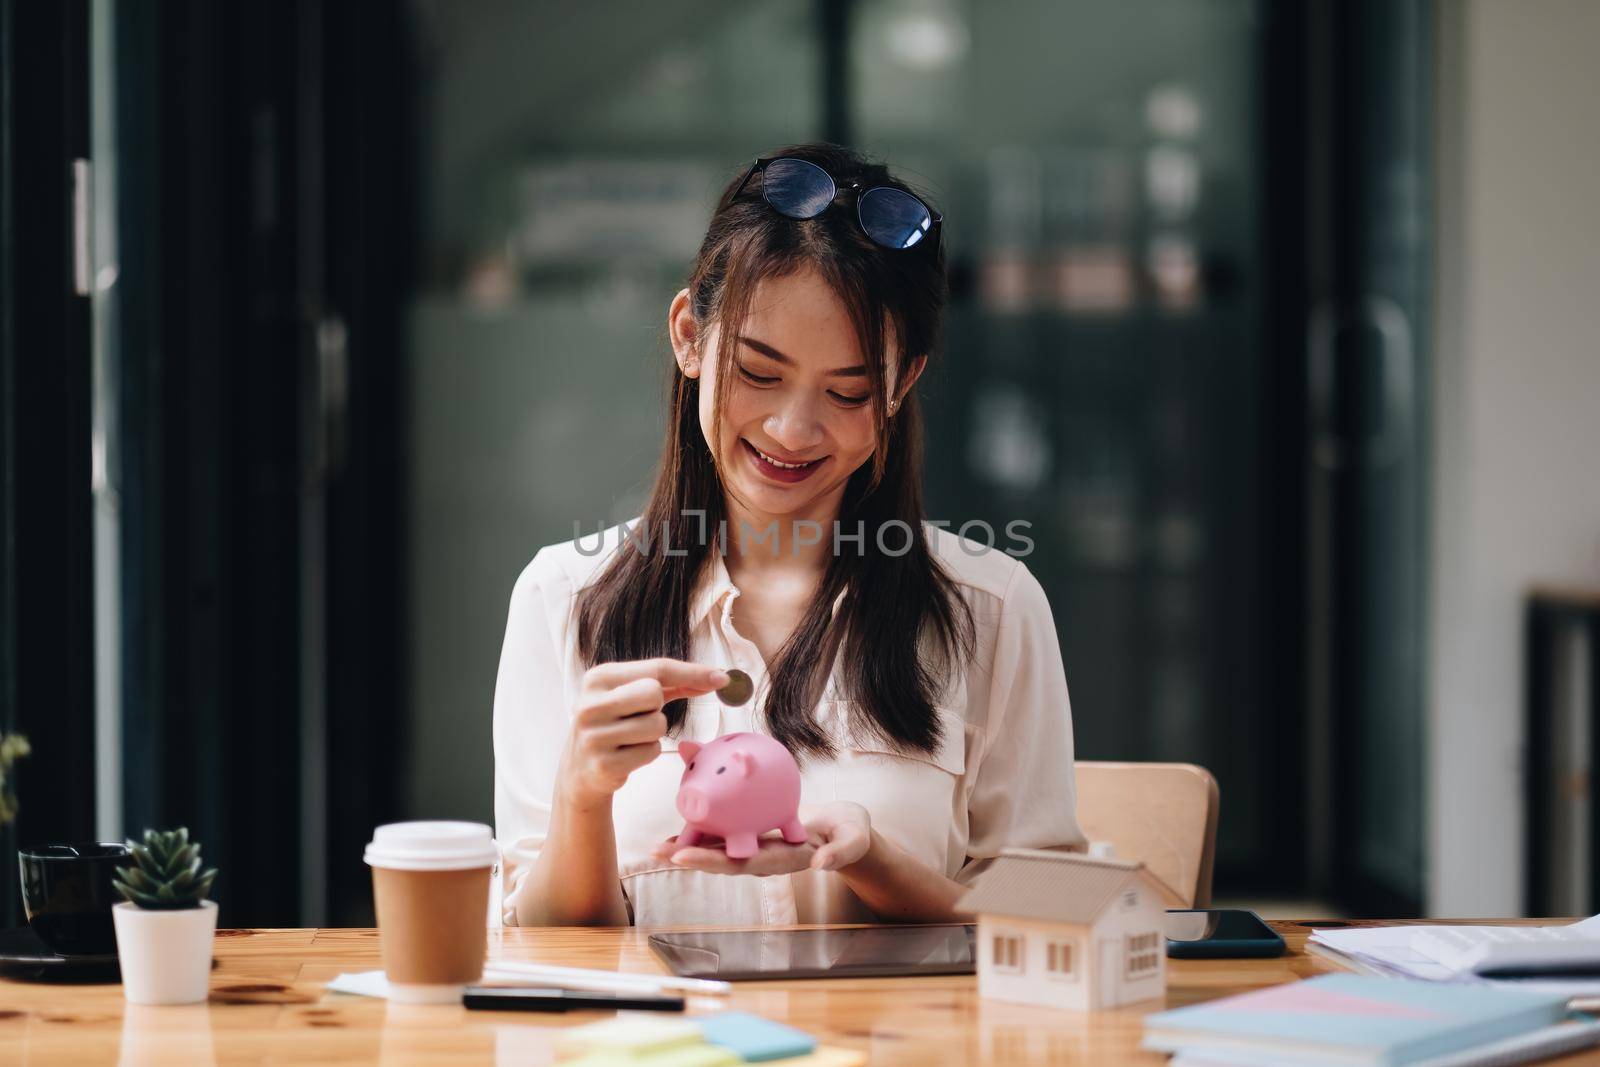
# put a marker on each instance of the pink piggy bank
(737, 788)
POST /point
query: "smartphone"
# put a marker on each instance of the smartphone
(1220, 933)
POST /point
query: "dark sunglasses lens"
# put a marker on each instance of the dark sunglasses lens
(893, 218)
(798, 189)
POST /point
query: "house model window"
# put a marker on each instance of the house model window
(1008, 953)
(1058, 959)
(1143, 955)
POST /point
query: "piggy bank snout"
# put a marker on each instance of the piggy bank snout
(693, 804)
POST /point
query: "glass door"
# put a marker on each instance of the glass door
(1100, 170)
(567, 174)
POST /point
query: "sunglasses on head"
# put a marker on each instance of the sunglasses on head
(800, 189)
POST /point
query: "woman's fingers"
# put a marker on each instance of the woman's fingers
(775, 856)
(713, 861)
(837, 835)
(617, 723)
(829, 857)
(847, 844)
(672, 674)
(778, 858)
(630, 698)
(684, 692)
(629, 758)
(701, 859)
(638, 729)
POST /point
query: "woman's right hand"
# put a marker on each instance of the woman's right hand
(618, 723)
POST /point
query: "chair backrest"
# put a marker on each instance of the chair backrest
(1161, 814)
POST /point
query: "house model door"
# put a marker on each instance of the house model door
(1108, 976)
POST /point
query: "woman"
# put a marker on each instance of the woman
(914, 674)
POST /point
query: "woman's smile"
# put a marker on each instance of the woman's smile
(778, 470)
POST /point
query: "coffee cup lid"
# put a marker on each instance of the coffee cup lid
(432, 846)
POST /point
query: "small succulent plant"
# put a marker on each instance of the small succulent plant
(166, 874)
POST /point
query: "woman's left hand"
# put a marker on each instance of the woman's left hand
(837, 835)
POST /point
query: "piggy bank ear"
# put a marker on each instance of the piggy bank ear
(688, 749)
(743, 765)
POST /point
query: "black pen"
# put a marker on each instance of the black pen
(541, 998)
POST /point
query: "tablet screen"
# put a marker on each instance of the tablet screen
(863, 952)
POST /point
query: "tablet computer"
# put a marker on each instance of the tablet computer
(856, 952)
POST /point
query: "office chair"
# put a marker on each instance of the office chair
(1161, 814)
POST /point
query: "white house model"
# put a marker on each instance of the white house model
(1066, 930)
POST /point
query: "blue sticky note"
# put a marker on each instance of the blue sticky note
(753, 1038)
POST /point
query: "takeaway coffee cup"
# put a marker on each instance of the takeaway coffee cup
(430, 885)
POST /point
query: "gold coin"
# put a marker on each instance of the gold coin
(738, 689)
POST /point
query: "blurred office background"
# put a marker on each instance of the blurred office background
(1271, 317)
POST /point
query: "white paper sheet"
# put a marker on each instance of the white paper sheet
(362, 984)
(1387, 949)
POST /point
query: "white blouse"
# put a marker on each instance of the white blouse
(1001, 776)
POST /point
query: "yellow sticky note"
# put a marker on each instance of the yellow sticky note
(824, 1056)
(677, 1056)
(690, 1056)
(628, 1035)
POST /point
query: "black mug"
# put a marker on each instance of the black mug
(67, 895)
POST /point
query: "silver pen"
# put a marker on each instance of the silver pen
(591, 978)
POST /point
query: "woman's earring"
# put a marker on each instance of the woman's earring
(894, 405)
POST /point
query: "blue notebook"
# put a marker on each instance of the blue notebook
(1350, 1018)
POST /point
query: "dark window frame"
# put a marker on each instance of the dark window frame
(46, 515)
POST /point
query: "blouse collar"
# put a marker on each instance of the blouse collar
(718, 585)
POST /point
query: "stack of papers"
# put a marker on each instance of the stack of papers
(1388, 951)
(1355, 1019)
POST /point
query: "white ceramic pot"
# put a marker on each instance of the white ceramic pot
(165, 955)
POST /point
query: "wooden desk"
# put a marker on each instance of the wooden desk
(268, 1005)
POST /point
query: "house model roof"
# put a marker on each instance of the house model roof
(1068, 887)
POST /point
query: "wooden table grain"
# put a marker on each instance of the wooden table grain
(268, 1005)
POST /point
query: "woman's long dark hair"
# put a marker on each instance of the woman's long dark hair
(903, 624)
